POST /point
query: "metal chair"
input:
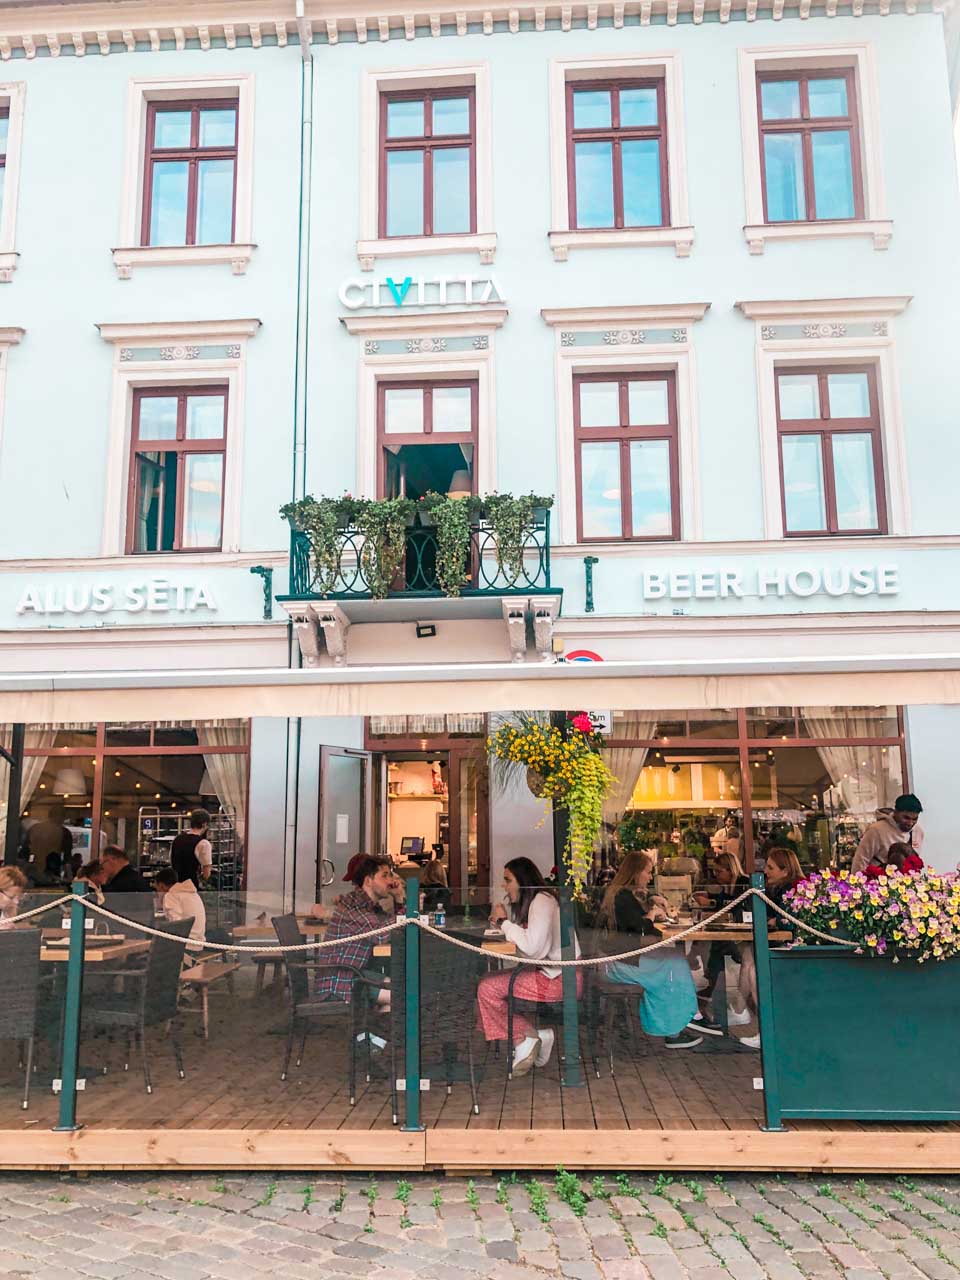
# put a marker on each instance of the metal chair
(610, 1000)
(20, 961)
(149, 997)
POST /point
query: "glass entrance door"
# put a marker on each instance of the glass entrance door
(344, 815)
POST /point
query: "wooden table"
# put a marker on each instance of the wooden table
(743, 933)
(95, 952)
(311, 928)
(497, 946)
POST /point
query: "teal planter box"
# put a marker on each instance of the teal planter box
(862, 1038)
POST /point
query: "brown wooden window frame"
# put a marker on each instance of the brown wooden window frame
(826, 428)
(192, 155)
(428, 144)
(618, 134)
(427, 435)
(806, 127)
(182, 447)
(624, 434)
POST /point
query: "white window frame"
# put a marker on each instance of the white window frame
(861, 59)
(426, 330)
(140, 94)
(679, 233)
(371, 245)
(179, 367)
(825, 342)
(618, 351)
(12, 96)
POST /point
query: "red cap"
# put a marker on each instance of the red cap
(352, 866)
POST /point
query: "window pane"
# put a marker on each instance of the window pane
(404, 193)
(403, 410)
(849, 395)
(638, 107)
(205, 417)
(799, 396)
(853, 479)
(783, 167)
(594, 177)
(405, 119)
(803, 483)
(168, 202)
(650, 488)
(215, 202)
(218, 126)
(158, 418)
(155, 501)
(202, 499)
(600, 483)
(452, 408)
(827, 98)
(648, 403)
(642, 203)
(780, 99)
(451, 115)
(451, 190)
(172, 129)
(599, 404)
(591, 109)
(833, 174)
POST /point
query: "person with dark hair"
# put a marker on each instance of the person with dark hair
(121, 876)
(531, 921)
(899, 827)
(191, 854)
(899, 857)
(374, 881)
(179, 900)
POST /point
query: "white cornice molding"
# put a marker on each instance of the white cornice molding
(652, 315)
(409, 324)
(824, 308)
(10, 336)
(153, 332)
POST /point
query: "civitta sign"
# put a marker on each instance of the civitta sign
(419, 291)
(802, 581)
(151, 595)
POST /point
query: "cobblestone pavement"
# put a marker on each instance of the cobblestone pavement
(245, 1227)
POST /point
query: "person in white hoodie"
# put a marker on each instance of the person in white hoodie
(531, 921)
(181, 901)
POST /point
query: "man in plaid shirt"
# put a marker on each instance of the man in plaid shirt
(374, 880)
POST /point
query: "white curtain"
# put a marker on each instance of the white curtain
(228, 773)
(33, 766)
(861, 775)
(625, 763)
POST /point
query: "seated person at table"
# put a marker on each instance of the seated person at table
(531, 922)
(94, 876)
(374, 883)
(731, 880)
(668, 1002)
(434, 884)
(127, 893)
(13, 885)
(782, 872)
(899, 857)
(179, 900)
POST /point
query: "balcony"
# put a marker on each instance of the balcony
(343, 576)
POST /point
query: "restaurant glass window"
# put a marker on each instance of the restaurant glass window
(627, 456)
(617, 154)
(810, 146)
(4, 136)
(428, 162)
(427, 435)
(189, 191)
(178, 448)
(831, 460)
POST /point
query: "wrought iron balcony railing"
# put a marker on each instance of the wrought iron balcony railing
(490, 573)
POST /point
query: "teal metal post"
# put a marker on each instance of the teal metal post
(70, 1048)
(573, 1076)
(768, 1025)
(588, 563)
(411, 1111)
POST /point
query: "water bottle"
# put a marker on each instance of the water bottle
(440, 917)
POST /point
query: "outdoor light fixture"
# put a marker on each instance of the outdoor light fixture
(69, 782)
(426, 630)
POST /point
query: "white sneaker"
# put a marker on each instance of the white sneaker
(750, 1042)
(525, 1055)
(700, 980)
(735, 1019)
(547, 1037)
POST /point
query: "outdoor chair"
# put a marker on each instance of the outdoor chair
(308, 1011)
(148, 998)
(20, 961)
(610, 1002)
(544, 1013)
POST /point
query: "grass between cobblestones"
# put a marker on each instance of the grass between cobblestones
(516, 1227)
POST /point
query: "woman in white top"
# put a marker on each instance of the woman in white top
(532, 924)
(180, 901)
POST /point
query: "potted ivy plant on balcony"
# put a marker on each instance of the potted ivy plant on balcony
(511, 521)
(453, 519)
(383, 525)
(321, 521)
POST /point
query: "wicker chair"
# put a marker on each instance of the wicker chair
(20, 960)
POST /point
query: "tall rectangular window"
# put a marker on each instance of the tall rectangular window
(428, 162)
(831, 462)
(175, 500)
(617, 154)
(427, 435)
(810, 146)
(190, 175)
(4, 135)
(628, 470)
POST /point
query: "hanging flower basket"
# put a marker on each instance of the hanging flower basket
(537, 783)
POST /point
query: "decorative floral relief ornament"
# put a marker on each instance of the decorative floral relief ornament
(623, 337)
(824, 330)
(179, 353)
(566, 339)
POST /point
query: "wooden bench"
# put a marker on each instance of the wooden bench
(200, 978)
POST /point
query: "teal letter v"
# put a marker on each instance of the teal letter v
(401, 293)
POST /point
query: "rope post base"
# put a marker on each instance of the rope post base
(70, 1048)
